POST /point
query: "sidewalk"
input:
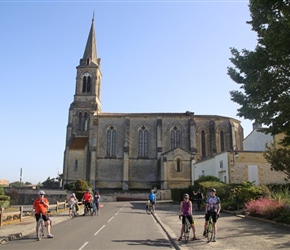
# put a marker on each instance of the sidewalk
(27, 226)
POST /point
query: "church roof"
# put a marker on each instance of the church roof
(78, 143)
(91, 47)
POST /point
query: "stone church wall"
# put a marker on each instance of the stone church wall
(143, 174)
(76, 172)
(109, 173)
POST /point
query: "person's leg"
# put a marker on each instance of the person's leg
(205, 224)
(198, 205)
(181, 232)
(37, 216)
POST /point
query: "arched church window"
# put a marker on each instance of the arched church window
(86, 83)
(88, 61)
(175, 137)
(222, 141)
(111, 141)
(86, 122)
(76, 165)
(178, 165)
(80, 121)
(203, 146)
(143, 142)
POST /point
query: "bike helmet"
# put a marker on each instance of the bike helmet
(73, 195)
(88, 190)
(185, 195)
(212, 190)
(41, 192)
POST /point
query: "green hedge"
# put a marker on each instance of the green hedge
(4, 198)
(4, 204)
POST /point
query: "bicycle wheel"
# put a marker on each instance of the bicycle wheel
(148, 209)
(40, 229)
(73, 211)
(186, 232)
(209, 230)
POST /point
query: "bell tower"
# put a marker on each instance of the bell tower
(85, 105)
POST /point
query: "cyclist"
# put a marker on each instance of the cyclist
(199, 198)
(186, 212)
(97, 199)
(72, 201)
(151, 200)
(212, 208)
(40, 206)
(87, 198)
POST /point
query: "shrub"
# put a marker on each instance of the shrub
(14, 196)
(264, 207)
(282, 196)
(245, 192)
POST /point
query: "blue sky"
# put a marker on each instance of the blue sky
(157, 56)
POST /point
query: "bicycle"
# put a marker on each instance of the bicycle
(187, 228)
(40, 228)
(149, 208)
(74, 212)
(209, 229)
(87, 209)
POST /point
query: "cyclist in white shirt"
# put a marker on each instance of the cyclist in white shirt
(212, 208)
(72, 201)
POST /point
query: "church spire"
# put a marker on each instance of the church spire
(90, 54)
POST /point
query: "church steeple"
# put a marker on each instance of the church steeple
(90, 54)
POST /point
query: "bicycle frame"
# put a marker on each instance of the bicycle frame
(209, 229)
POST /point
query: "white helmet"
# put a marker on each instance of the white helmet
(41, 192)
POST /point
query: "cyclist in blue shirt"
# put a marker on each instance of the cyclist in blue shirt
(152, 200)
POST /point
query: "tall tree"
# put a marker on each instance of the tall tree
(279, 158)
(264, 74)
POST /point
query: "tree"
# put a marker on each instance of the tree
(279, 158)
(264, 74)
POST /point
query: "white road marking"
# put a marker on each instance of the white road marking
(99, 230)
(116, 213)
(83, 245)
(111, 219)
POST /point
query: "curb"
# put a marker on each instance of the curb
(239, 214)
(172, 241)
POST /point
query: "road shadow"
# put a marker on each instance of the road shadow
(148, 242)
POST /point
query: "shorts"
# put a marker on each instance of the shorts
(152, 202)
(189, 217)
(213, 214)
(44, 217)
(88, 204)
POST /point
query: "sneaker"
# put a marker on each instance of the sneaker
(194, 238)
(214, 239)
(180, 238)
(49, 236)
(204, 233)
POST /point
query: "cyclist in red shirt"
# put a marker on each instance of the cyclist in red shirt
(40, 206)
(87, 199)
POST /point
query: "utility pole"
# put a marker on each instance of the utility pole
(20, 177)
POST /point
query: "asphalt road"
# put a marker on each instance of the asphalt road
(120, 226)
(125, 225)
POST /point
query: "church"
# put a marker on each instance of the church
(136, 151)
